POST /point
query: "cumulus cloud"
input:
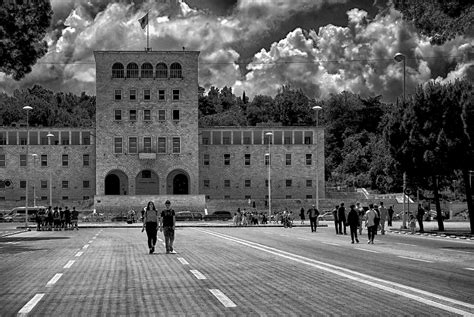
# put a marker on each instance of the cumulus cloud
(357, 57)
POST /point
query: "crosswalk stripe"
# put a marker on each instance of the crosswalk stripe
(222, 298)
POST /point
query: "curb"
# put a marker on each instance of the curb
(435, 234)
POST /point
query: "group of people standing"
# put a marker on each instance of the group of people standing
(57, 219)
(166, 223)
(248, 218)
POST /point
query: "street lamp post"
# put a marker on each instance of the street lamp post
(35, 156)
(317, 108)
(269, 135)
(27, 108)
(50, 135)
(399, 57)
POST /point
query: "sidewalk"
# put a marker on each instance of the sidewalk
(460, 229)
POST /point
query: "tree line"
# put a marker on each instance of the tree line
(368, 143)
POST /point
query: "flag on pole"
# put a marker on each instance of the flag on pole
(144, 21)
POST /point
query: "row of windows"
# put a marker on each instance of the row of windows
(41, 138)
(247, 197)
(45, 198)
(146, 115)
(247, 159)
(146, 70)
(147, 145)
(248, 183)
(256, 137)
(146, 95)
(44, 184)
(43, 160)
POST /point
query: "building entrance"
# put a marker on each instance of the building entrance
(116, 183)
(147, 183)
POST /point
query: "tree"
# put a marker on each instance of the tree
(22, 29)
(291, 107)
(439, 19)
(260, 110)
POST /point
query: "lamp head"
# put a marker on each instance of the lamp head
(269, 133)
(317, 108)
(27, 108)
(399, 57)
(50, 135)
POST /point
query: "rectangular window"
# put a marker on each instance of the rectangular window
(267, 159)
(225, 140)
(117, 115)
(147, 115)
(85, 197)
(205, 160)
(288, 159)
(307, 140)
(226, 159)
(118, 94)
(65, 185)
(176, 115)
(65, 197)
(64, 138)
(118, 146)
(3, 138)
(246, 197)
(86, 184)
(206, 183)
(161, 115)
(227, 183)
(266, 185)
(248, 183)
(175, 94)
(132, 115)
(85, 160)
(86, 139)
(205, 141)
(44, 160)
(23, 138)
(2, 160)
(22, 184)
(227, 197)
(309, 183)
(288, 196)
(12, 138)
(44, 184)
(65, 160)
(133, 94)
(161, 145)
(247, 159)
(176, 145)
(147, 144)
(146, 174)
(309, 159)
(309, 196)
(22, 159)
(44, 197)
(288, 182)
(146, 94)
(132, 145)
(161, 95)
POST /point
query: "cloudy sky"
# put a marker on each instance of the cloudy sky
(256, 46)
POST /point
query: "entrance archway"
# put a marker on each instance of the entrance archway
(147, 183)
(178, 183)
(116, 183)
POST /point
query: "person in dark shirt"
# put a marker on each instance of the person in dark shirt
(353, 220)
(341, 218)
(167, 225)
(313, 217)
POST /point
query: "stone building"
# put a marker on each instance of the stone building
(147, 142)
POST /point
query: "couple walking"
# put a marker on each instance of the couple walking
(166, 223)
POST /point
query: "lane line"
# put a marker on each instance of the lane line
(330, 243)
(93, 238)
(460, 251)
(90, 241)
(414, 259)
(78, 254)
(53, 281)
(411, 245)
(469, 268)
(367, 250)
(25, 310)
(69, 264)
(198, 274)
(85, 246)
(419, 295)
(183, 261)
(222, 298)
(303, 239)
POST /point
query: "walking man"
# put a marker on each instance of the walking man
(383, 216)
(336, 222)
(390, 215)
(341, 217)
(370, 217)
(419, 216)
(313, 217)
(361, 212)
(353, 221)
(168, 222)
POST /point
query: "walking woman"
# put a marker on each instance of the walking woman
(150, 224)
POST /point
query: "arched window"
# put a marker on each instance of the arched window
(175, 71)
(132, 70)
(147, 71)
(161, 70)
(117, 70)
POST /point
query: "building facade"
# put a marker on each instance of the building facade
(147, 142)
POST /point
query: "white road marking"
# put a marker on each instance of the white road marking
(303, 239)
(85, 246)
(414, 259)
(69, 264)
(198, 274)
(222, 298)
(330, 243)
(411, 245)
(467, 252)
(25, 310)
(419, 295)
(53, 281)
(469, 268)
(183, 261)
(94, 238)
(79, 253)
(90, 241)
(366, 250)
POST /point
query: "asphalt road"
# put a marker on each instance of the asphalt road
(268, 271)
